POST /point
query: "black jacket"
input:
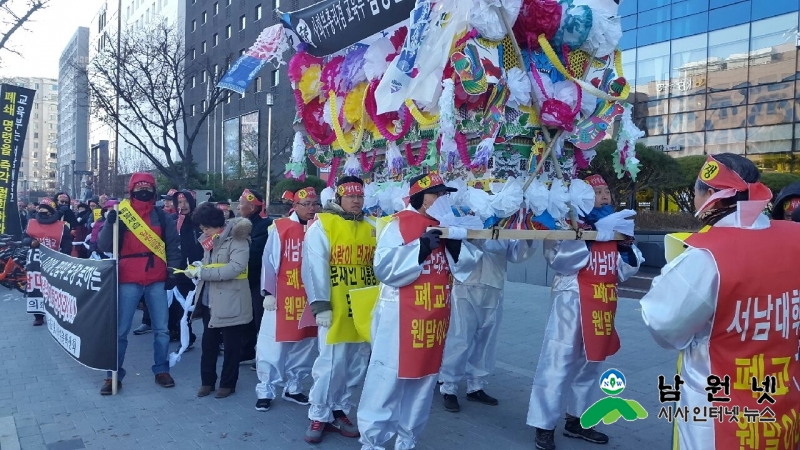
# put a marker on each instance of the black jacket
(258, 242)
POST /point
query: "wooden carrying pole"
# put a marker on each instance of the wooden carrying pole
(115, 373)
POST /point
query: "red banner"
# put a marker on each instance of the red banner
(754, 333)
(424, 306)
(291, 294)
(597, 285)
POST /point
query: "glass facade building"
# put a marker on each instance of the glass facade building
(713, 76)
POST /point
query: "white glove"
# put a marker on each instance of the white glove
(270, 303)
(325, 319)
(617, 222)
(193, 271)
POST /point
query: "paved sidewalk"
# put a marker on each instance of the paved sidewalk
(55, 402)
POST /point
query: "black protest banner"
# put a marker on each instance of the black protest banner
(333, 25)
(17, 103)
(33, 287)
(80, 302)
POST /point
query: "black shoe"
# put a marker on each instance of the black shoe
(299, 398)
(107, 385)
(164, 379)
(545, 439)
(451, 403)
(574, 429)
(482, 397)
(263, 404)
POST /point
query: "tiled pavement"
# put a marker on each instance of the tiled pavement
(55, 404)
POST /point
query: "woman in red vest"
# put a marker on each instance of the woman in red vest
(411, 318)
(730, 304)
(47, 230)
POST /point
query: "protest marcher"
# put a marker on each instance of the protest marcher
(23, 214)
(225, 207)
(98, 225)
(252, 208)
(223, 301)
(787, 202)
(414, 267)
(191, 251)
(477, 309)
(701, 305)
(285, 352)
(569, 367)
(342, 243)
(48, 230)
(83, 217)
(169, 201)
(144, 256)
(64, 209)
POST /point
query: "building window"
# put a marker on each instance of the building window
(276, 78)
(216, 70)
(205, 17)
(216, 8)
(192, 82)
(194, 25)
(35, 145)
(258, 84)
(203, 106)
(36, 135)
(276, 4)
(191, 110)
(258, 12)
(228, 32)
(241, 52)
(203, 48)
(203, 76)
(216, 39)
(242, 22)
(227, 2)
(194, 54)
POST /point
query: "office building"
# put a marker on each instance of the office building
(235, 133)
(73, 113)
(713, 76)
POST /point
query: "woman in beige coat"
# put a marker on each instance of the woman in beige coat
(224, 301)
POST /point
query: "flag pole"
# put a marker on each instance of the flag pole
(115, 246)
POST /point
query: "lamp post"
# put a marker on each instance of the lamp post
(270, 100)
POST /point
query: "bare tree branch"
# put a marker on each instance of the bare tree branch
(150, 85)
(17, 21)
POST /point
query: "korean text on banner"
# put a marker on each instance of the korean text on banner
(80, 303)
(17, 103)
(33, 285)
(333, 25)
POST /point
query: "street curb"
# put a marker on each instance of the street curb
(8, 434)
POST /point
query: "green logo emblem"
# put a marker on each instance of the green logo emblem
(610, 409)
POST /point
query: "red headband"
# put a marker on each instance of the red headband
(250, 197)
(47, 202)
(728, 183)
(792, 204)
(307, 193)
(428, 181)
(349, 189)
(171, 192)
(223, 207)
(596, 181)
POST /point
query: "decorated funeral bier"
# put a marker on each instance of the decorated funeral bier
(506, 99)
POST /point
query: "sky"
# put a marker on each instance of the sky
(46, 36)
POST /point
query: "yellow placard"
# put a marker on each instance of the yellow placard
(141, 230)
(98, 213)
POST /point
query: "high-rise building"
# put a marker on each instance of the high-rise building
(236, 132)
(37, 172)
(713, 76)
(73, 113)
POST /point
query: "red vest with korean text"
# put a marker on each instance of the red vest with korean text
(48, 235)
(291, 294)
(756, 330)
(597, 286)
(424, 305)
